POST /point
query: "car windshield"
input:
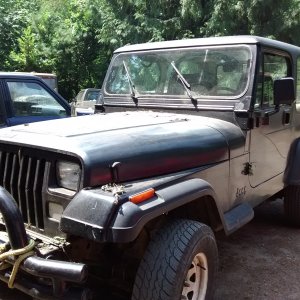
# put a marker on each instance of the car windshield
(206, 72)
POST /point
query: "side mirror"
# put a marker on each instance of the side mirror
(284, 91)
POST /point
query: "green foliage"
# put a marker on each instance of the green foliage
(76, 38)
(15, 15)
(27, 58)
(67, 35)
(269, 18)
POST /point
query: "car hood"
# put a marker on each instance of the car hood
(144, 144)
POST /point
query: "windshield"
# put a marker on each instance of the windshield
(206, 72)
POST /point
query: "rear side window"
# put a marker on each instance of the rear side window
(31, 99)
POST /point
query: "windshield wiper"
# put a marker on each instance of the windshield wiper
(184, 83)
(133, 92)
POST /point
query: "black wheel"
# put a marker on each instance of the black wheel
(180, 263)
(292, 204)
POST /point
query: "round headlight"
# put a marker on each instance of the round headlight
(68, 175)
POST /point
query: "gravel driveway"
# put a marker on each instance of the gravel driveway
(260, 261)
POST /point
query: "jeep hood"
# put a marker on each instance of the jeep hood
(145, 144)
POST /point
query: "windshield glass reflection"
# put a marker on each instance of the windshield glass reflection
(209, 72)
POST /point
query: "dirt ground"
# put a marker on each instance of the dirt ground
(260, 261)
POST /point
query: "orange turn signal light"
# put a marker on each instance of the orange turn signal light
(142, 196)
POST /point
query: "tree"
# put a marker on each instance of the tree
(15, 15)
(269, 18)
(27, 58)
(75, 39)
(66, 33)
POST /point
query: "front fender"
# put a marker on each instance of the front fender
(131, 218)
(98, 216)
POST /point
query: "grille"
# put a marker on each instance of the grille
(22, 176)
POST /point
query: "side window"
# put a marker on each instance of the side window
(272, 67)
(31, 99)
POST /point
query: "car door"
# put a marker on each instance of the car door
(31, 101)
(272, 134)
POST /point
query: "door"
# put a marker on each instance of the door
(272, 134)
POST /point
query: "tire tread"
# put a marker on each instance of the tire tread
(156, 276)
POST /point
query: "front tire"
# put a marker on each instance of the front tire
(180, 263)
(292, 204)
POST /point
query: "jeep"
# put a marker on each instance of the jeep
(191, 136)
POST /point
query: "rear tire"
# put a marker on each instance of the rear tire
(292, 204)
(180, 263)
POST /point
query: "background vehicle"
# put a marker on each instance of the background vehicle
(86, 99)
(49, 78)
(195, 134)
(26, 98)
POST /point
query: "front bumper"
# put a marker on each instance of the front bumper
(38, 277)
